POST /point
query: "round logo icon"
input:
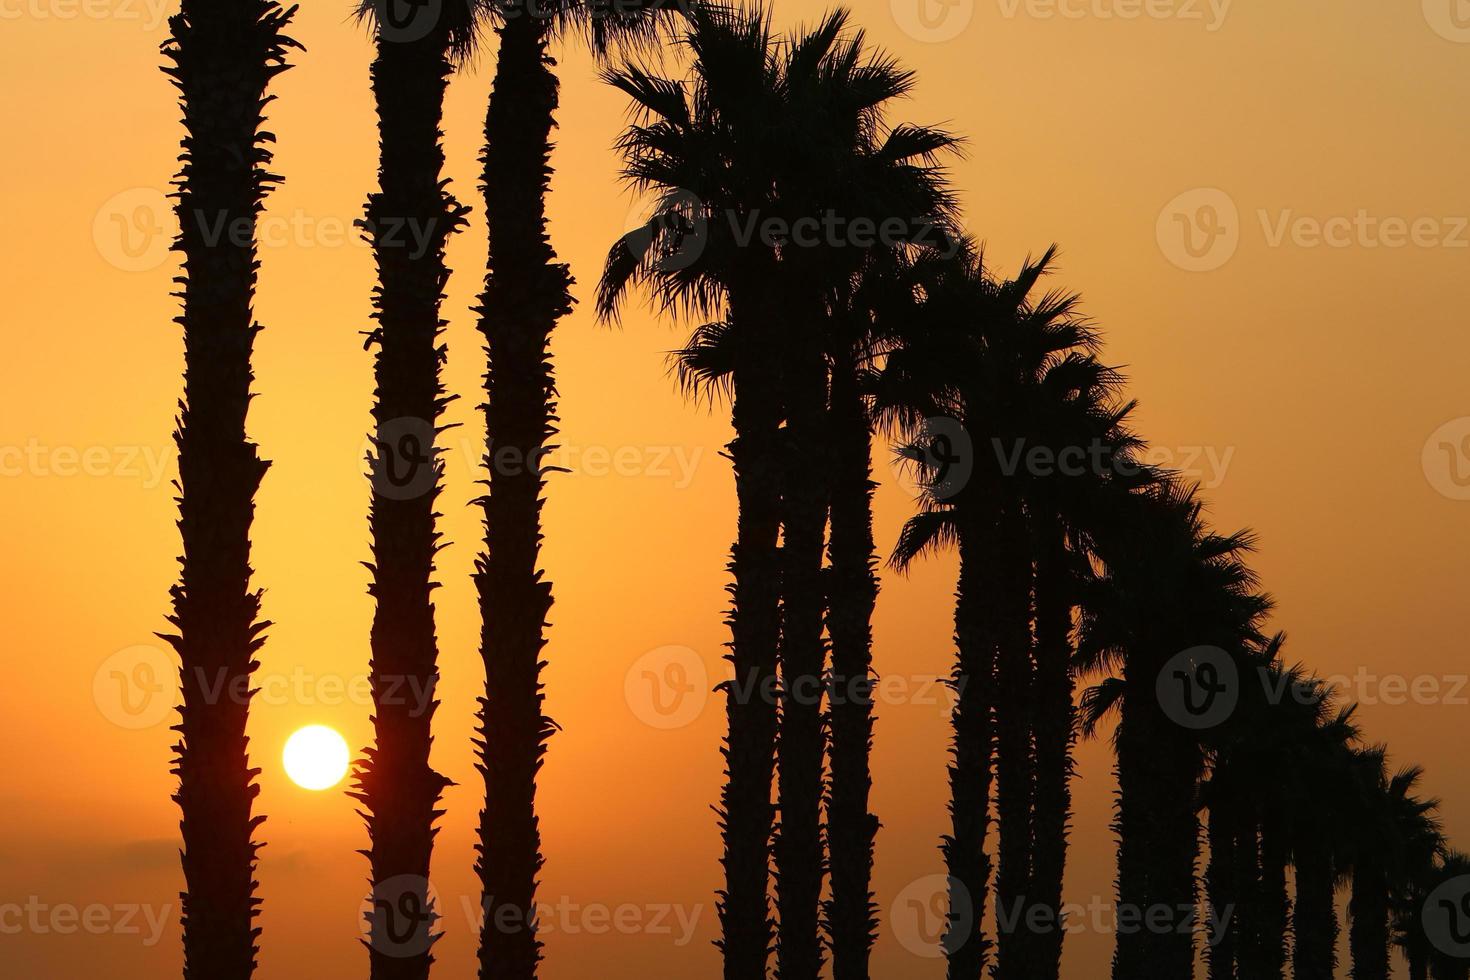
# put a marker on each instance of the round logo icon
(667, 688)
(1446, 459)
(135, 688)
(397, 917)
(673, 222)
(134, 230)
(1199, 230)
(933, 21)
(921, 915)
(1450, 19)
(406, 21)
(942, 458)
(1446, 917)
(1199, 688)
(402, 459)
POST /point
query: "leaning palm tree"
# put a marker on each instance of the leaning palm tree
(409, 220)
(527, 291)
(224, 55)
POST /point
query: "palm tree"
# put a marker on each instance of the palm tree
(223, 56)
(1168, 586)
(526, 292)
(409, 220)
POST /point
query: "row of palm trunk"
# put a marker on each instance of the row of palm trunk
(1106, 569)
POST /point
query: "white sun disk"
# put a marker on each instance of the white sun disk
(316, 757)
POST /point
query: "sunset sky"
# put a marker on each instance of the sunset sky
(1265, 206)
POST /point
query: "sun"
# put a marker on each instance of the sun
(316, 757)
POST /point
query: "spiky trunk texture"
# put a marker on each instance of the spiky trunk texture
(409, 221)
(1158, 835)
(1250, 914)
(852, 920)
(1314, 956)
(1275, 914)
(1368, 912)
(746, 813)
(799, 849)
(970, 771)
(1055, 734)
(1015, 771)
(224, 54)
(526, 293)
(1220, 883)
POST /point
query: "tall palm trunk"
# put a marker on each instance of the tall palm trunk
(1014, 768)
(1275, 916)
(224, 54)
(1368, 910)
(746, 814)
(799, 848)
(526, 292)
(851, 914)
(970, 771)
(409, 221)
(1314, 956)
(1055, 733)
(1251, 934)
(1220, 881)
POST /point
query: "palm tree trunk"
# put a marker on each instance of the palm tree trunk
(970, 770)
(1368, 932)
(409, 221)
(851, 914)
(746, 814)
(1315, 918)
(1014, 767)
(224, 55)
(799, 847)
(1220, 881)
(1248, 890)
(526, 293)
(1055, 732)
(1275, 917)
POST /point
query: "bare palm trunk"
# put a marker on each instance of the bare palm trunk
(526, 293)
(1014, 766)
(224, 55)
(799, 846)
(1275, 914)
(1220, 883)
(408, 220)
(851, 915)
(970, 770)
(1315, 917)
(1055, 733)
(1368, 912)
(755, 625)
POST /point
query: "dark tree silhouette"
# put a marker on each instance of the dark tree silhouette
(224, 55)
(409, 220)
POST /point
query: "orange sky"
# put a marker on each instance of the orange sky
(1301, 373)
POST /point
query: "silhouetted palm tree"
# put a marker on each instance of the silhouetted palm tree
(224, 55)
(1168, 587)
(1425, 956)
(409, 220)
(526, 292)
